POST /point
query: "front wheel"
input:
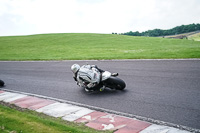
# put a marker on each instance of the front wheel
(115, 83)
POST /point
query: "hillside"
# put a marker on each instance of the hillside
(94, 46)
(185, 35)
(195, 37)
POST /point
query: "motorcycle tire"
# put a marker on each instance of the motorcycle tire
(115, 83)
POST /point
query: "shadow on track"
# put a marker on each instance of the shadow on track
(106, 92)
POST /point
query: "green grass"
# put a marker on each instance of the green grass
(15, 121)
(94, 46)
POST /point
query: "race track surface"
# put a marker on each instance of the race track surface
(165, 90)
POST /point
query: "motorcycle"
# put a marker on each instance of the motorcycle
(108, 80)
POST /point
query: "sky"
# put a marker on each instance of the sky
(27, 17)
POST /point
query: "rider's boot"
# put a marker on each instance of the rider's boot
(87, 90)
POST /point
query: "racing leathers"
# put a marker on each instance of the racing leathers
(89, 77)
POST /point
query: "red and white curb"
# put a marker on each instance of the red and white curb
(94, 119)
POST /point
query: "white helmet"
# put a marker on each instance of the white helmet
(75, 68)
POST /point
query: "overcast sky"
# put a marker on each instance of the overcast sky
(25, 17)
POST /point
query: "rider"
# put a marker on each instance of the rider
(88, 76)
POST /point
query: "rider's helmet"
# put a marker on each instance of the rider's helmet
(75, 68)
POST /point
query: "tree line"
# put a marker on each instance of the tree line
(158, 32)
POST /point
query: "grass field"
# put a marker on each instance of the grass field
(94, 46)
(24, 121)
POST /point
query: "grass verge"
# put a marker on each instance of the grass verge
(79, 46)
(17, 120)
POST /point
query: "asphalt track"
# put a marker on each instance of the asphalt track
(165, 90)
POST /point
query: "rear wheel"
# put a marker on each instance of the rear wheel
(115, 83)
